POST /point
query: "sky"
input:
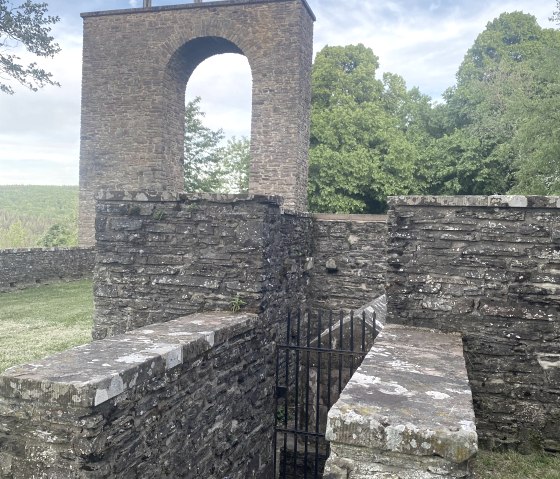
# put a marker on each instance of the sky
(424, 41)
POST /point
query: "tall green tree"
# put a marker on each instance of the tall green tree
(28, 25)
(360, 152)
(235, 159)
(485, 110)
(537, 141)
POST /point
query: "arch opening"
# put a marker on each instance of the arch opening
(216, 81)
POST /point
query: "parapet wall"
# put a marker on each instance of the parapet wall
(188, 398)
(488, 267)
(161, 256)
(25, 267)
(349, 260)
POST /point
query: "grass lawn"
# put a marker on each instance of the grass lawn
(39, 321)
(510, 465)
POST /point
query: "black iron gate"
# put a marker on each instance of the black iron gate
(320, 353)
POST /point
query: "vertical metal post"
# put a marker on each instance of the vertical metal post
(147, 3)
(297, 393)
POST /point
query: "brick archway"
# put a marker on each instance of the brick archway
(136, 64)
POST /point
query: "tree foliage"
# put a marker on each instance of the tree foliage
(29, 25)
(201, 160)
(476, 153)
(59, 235)
(360, 127)
(235, 158)
(496, 131)
(556, 14)
(209, 164)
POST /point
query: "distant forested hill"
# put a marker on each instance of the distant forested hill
(38, 216)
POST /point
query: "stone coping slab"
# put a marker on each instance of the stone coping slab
(411, 396)
(93, 373)
(49, 249)
(355, 218)
(170, 196)
(495, 201)
(211, 4)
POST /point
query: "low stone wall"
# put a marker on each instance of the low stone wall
(349, 260)
(187, 398)
(488, 267)
(406, 413)
(161, 256)
(25, 267)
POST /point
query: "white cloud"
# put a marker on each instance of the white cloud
(224, 80)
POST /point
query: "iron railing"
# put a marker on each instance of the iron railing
(313, 365)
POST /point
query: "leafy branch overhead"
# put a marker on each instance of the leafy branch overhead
(25, 25)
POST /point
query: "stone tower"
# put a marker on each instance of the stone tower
(136, 64)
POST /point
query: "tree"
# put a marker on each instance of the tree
(209, 165)
(361, 149)
(16, 236)
(538, 139)
(202, 160)
(496, 82)
(28, 25)
(556, 14)
(235, 158)
(58, 235)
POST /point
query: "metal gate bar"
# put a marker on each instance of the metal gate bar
(296, 359)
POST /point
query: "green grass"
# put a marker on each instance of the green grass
(512, 465)
(40, 321)
(27, 212)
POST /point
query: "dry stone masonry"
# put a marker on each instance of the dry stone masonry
(488, 267)
(24, 267)
(164, 255)
(349, 260)
(161, 256)
(136, 65)
(187, 398)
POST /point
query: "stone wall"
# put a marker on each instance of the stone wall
(161, 256)
(488, 267)
(136, 65)
(188, 398)
(406, 413)
(349, 260)
(25, 267)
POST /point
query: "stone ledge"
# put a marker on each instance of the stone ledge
(163, 8)
(496, 201)
(92, 374)
(168, 196)
(410, 397)
(350, 217)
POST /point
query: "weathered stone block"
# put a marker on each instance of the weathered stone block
(402, 409)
